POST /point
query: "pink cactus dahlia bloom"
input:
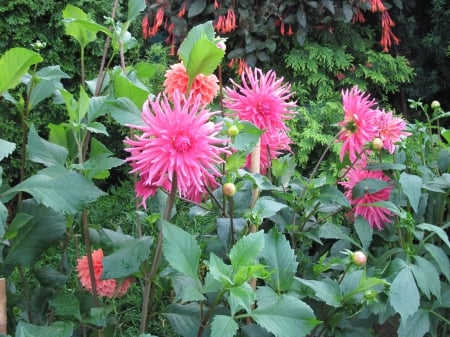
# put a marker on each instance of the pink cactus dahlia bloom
(376, 216)
(107, 287)
(178, 140)
(359, 124)
(177, 80)
(391, 130)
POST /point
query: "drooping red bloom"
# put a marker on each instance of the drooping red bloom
(206, 86)
(387, 36)
(176, 139)
(390, 129)
(377, 6)
(108, 287)
(359, 125)
(241, 65)
(376, 216)
(226, 23)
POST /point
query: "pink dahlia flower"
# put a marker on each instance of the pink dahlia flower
(107, 287)
(359, 124)
(376, 216)
(178, 140)
(177, 80)
(391, 130)
(261, 99)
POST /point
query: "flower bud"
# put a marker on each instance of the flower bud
(229, 189)
(369, 294)
(233, 131)
(377, 144)
(221, 45)
(359, 258)
(435, 105)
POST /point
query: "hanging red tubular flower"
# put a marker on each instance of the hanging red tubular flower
(182, 10)
(145, 27)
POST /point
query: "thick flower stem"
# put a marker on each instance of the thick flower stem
(148, 294)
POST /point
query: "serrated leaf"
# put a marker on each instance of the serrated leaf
(368, 186)
(73, 19)
(245, 251)
(241, 297)
(287, 317)
(364, 232)
(6, 148)
(56, 329)
(438, 254)
(426, 276)
(332, 195)
(181, 250)
(206, 29)
(185, 318)
(411, 186)
(281, 260)
(14, 64)
(404, 295)
(332, 231)
(125, 112)
(326, 290)
(66, 305)
(49, 187)
(129, 86)
(19, 220)
(43, 151)
(416, 325)
(128, 259)
(267, 207)
(49, 277)
(134, 8)
(437, 230)
(223, 326)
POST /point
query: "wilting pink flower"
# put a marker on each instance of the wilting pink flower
(107, 287)
(375, 215)
(178, 140)
(391, 130)
(358, 126)
(177, 80)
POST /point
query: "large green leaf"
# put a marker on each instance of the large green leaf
(368, 186)
(247, 138)
(181, 250)
(50, 187)
(267, 206)
(125, 112)
(241, 297)
(43, 151)
(287, 317)
(219, 270)
(32, 239)
(206, 29)
(14, 64)
(326, 290)
(6, 148)
(134, 8)
(48, 80)
(331, 195)
(281, 260)
(185, 319)
(412, 187)
(436, 230)
(245, 251)
(440, 257)
(404, 295)
(364, 231)
(128, 259)
(223, 326)
(131, 87)
(56, 329)
(66, 305)
(426, 276)
(416, 325)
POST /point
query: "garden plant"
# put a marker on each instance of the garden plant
(250, 204)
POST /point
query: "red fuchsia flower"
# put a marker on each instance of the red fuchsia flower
(178, 140)
(376, 216)
(359, 124)
(391, 130)
(108, 287)
(206, 86)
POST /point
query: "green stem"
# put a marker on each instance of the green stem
(208, 315)
(439, 316)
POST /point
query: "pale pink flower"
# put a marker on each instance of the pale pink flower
(177, 80)
(376, 216)
(106, 287)
(359, 124)
(179, 140)
(391, 130)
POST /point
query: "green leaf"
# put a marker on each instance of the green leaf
(45, 152)
(128, 259)
(97, 167)
(332, 231)
(49, 187)
(97, 127)
(404, 295)
(73, 19)
(281, 260)
(131, 87)
(66, 305)
(331, 195)
(14, 64)
(205, 29)
(51, 278)
(326, 290)
(125, 112)
(245, 251)
(235, 161)
(412, 188)
(438, 254)
(42, 230)
(6, 148)
(287, 317)
(48, 81)
(181, 250)
(436, 230)
(364, 231)
(219, 270)
(426, 276)
(223, 326)
(185, 318)
(19, 220)
(99, 315)
(241, 297)
(247, 138)
(56, 329)
(368, 186)
(134, 8)
(267, 207)
(196, 8)
(416, 325)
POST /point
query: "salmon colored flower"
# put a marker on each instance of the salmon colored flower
(359, 124)
(391, 130)
(226, 23)
(206, 86)
(176, 139)
(363, 206)
(107, 287)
